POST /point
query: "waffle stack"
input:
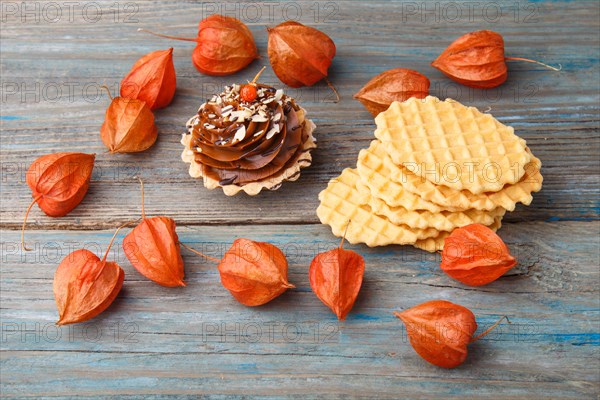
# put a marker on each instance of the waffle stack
(435, 166)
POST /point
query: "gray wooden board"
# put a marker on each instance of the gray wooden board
(198, 340)
(156, 340)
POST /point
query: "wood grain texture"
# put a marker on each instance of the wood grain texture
(159, 342)
(556, 112)
(198, 339)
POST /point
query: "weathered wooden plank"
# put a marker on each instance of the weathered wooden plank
(161, 341)
(158, 342)
(163, 377)
(556, 112)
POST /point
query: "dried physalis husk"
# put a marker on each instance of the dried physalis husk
(225, 45)
(440, 331)
(336, 277)
(397, 84)
(300, 55)
(153, 249)
(84, 285)
(254, 272)
(475, 255)
(58, 183)
(128, 126)
(477, 59)
(151, 79)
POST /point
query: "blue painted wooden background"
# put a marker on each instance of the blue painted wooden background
(197, 340)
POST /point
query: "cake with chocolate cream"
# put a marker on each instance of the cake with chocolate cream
(248, 146)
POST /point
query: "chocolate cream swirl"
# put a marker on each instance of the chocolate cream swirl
(238, 142)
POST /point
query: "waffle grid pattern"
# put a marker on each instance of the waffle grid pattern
(389, 203)
(376, 176)
(442, 221)
(442, 196)
(339, 204)
(452, 145)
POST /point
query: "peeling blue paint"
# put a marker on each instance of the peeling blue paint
(11, 118)
(578, 339)
(362, 317)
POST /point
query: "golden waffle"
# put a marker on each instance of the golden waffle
(442, 221)
(453, 199)
(376, 176)
(340, 204)
(436, 243)
(452, 145)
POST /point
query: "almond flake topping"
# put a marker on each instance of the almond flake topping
(259, 118)
(272, 132)
(240, 134)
